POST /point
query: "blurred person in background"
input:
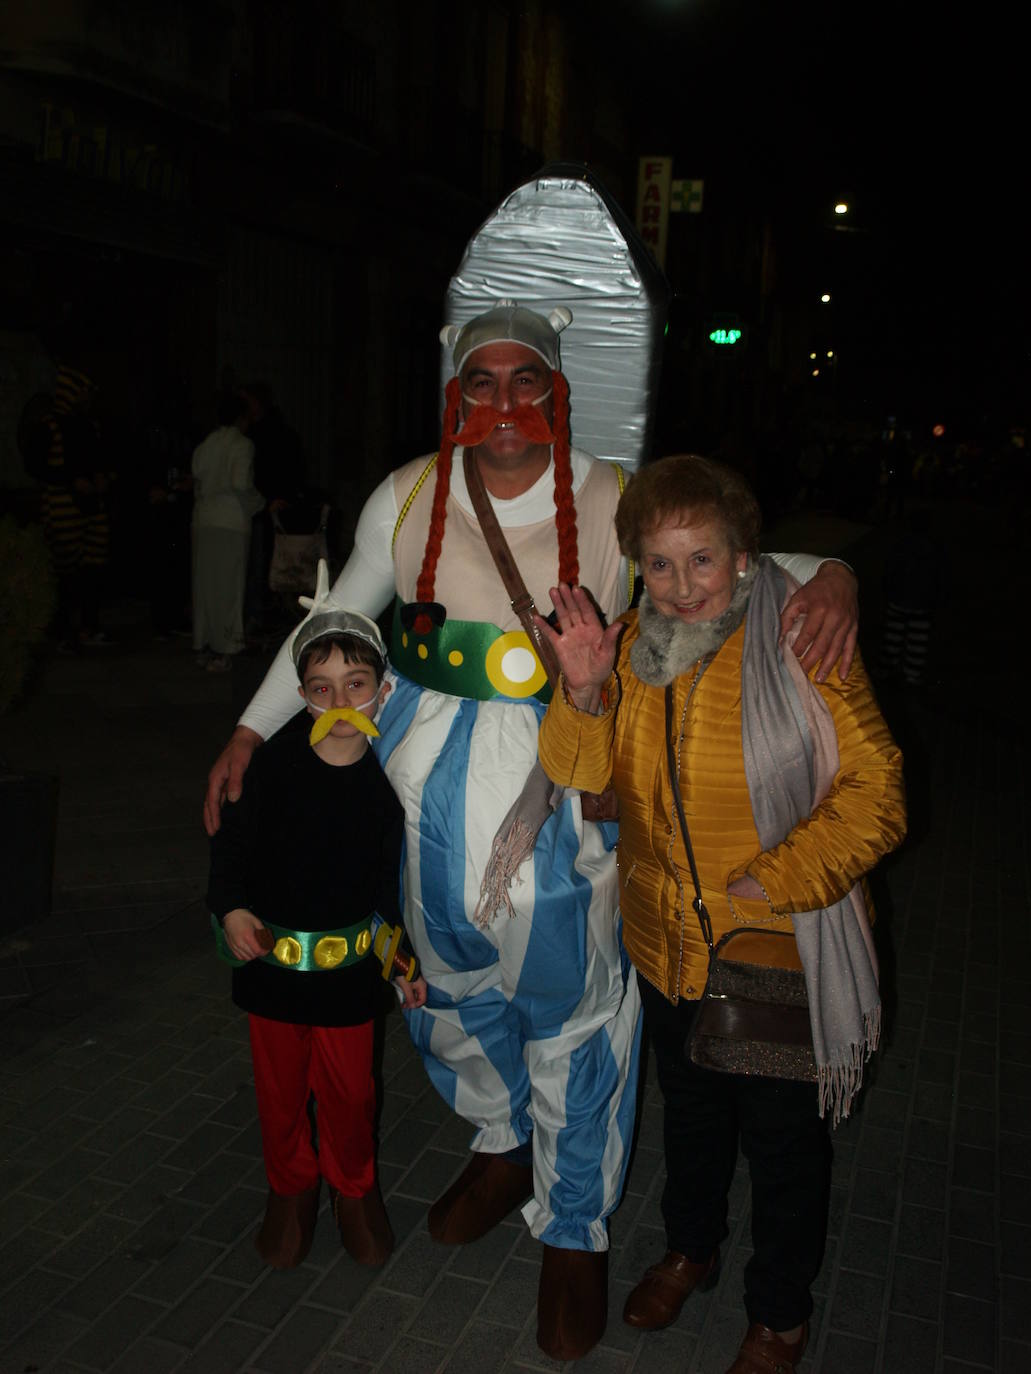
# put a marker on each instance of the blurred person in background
(225, 500)
(67, 458)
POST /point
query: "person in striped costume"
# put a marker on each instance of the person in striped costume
(531, 1029)
(73, 506)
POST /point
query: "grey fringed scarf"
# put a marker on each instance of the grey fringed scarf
(514, 841)
(791, 758)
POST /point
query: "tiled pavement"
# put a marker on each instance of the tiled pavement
(132, 1179)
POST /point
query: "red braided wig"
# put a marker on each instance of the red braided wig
(565, 510)
(435, 537)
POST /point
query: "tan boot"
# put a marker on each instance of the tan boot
(572, 1301)
(763, 1352)
(288, 1228)
(364, 1227)
(665, 1287)
(488, 1188)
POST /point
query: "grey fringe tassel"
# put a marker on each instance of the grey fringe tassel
(839, 1083)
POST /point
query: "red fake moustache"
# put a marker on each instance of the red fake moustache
(484, 419)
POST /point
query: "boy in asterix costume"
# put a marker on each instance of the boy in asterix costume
(531, 1029)
(304, 888)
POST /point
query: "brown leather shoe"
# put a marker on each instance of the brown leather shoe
(288, 1228)
(763, 1352)
(666, 1286)
(488, 1188)
(572, 1301)
(364, 1227)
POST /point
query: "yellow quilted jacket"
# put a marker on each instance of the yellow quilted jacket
(860, 819)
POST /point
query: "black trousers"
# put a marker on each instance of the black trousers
(788, 1150)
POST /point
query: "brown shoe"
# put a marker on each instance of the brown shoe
(763, 1352)
(364, 1227)
(572, 1301)
(488, 1188)
(287, 1230)
(666, 1286)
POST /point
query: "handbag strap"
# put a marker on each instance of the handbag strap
(522, 602)
(704, 920)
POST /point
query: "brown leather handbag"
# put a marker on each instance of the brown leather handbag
(753, 1016)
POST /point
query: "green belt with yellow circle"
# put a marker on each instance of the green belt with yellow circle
(306, 951)
(469, 658)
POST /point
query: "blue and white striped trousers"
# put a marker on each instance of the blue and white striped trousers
(532, 1026)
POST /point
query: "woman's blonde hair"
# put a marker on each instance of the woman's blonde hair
(685, 489)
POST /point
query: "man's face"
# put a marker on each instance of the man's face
(506, 375)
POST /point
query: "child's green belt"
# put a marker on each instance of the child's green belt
(307, 951)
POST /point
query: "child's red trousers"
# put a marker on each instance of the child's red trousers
(333, 1063)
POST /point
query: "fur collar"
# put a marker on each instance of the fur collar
(666, 647)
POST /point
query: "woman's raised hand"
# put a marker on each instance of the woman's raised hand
(585, 651)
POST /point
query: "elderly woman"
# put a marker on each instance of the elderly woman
(770, 839)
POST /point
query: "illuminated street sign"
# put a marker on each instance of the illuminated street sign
(726, 332)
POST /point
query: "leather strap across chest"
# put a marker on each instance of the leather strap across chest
(522, 602)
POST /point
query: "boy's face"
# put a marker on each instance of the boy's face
(338, 683)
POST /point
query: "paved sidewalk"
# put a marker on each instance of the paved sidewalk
(132, 1177)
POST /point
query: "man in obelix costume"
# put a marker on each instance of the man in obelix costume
(531, 1029)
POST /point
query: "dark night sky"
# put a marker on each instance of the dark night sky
(916, 118)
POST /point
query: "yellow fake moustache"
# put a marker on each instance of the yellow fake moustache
(328, 719)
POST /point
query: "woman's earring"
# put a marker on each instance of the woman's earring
(740, 573)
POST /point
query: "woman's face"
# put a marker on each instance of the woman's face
(690, 569)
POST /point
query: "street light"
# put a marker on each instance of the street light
(825, 297)
(841, 208)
